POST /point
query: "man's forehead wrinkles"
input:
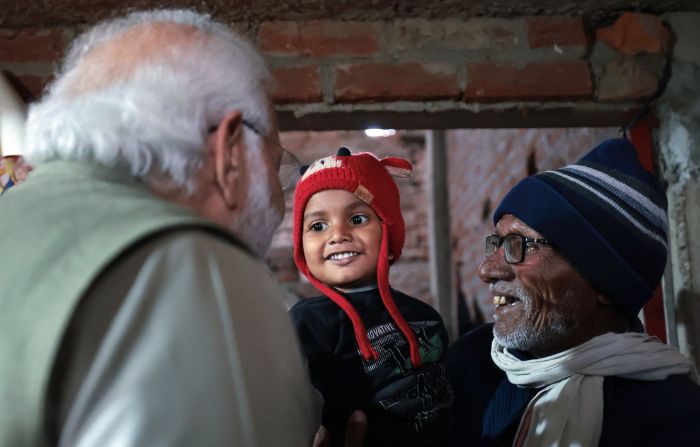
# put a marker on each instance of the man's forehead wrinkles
(510, 224)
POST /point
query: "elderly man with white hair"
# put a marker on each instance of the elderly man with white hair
(136, 310)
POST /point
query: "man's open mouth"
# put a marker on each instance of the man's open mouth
(341, 255)
(502, 300)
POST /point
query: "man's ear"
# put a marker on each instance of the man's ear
(228, 153)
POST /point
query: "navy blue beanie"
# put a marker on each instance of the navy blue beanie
(606, 215)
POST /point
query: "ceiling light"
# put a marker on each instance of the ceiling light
(378, 133)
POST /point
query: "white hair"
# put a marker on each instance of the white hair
(154, 122)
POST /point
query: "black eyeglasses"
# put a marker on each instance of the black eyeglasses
(514, 245)
(288, 172)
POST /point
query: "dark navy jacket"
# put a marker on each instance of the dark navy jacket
(405, 406)
(487, 408)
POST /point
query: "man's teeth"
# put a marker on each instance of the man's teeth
(499, 300)
(339, 256)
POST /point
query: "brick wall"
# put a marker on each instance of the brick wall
(332, 65)
(28, 56)
(477, 60)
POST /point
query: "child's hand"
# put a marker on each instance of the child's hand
(355, 432)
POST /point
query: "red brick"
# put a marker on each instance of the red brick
(31, 44)
(534, 81)
(561, 31)
(297, 84)
(279, 37)
(628, 79)
(393, 82)
(635, 33)
(320, 38)
(479, 33)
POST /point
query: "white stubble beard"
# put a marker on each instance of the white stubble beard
(256, 223)
(526, 337)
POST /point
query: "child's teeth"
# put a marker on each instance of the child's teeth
(340, 256)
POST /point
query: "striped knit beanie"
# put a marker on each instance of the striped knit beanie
(606, 215)
(370, 180)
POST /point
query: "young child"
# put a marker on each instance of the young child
(368, 347)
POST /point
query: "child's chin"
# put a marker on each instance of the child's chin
(352, 284)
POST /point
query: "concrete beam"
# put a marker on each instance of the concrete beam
(456, 116)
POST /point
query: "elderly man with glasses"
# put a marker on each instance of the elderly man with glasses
(136, 310)
(575, 255)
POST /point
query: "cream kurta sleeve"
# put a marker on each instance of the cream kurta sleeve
(183, 342)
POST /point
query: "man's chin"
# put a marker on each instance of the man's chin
(519, 338)
(255, 230)
(259, 243)
(529, 339)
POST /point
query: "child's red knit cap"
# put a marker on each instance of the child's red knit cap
(370, 180)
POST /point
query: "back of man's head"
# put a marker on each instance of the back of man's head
(142, 92)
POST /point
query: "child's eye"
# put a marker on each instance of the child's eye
(359, 219)
(318, 226)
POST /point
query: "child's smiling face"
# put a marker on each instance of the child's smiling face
(341, 237)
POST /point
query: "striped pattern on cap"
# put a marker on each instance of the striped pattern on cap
(606, 215)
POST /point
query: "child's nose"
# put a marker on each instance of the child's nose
(340, 233)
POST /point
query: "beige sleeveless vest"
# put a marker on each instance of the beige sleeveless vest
(58, 231)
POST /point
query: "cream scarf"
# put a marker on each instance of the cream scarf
(568, 411)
